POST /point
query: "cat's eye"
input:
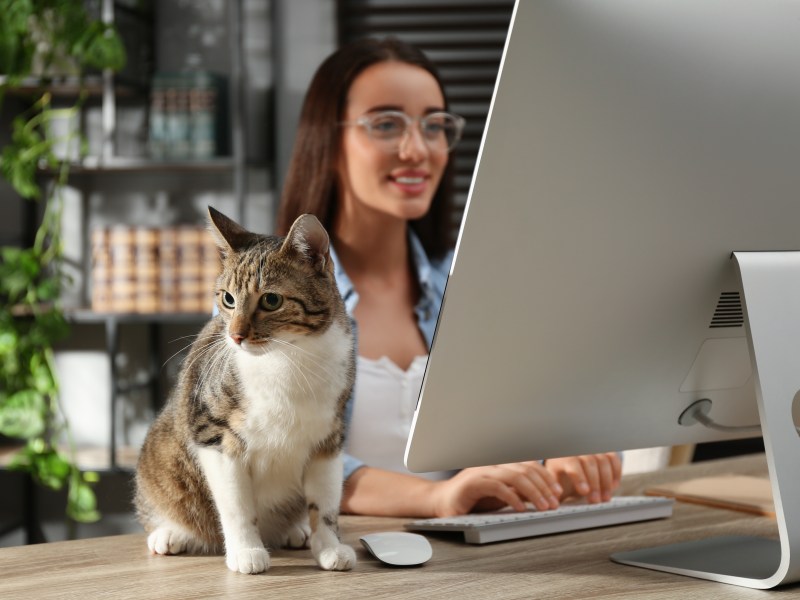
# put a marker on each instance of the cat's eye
(228, 301)
(271, 301)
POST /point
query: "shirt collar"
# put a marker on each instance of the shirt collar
(346, 289)
(422, 263)
(418, 256)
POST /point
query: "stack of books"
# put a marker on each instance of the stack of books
(148, 270)
(185, 114)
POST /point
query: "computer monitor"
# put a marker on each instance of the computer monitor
(628, 249)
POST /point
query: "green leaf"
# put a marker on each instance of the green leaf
(8, 342)
(16, 47)
(21, 461)
(57, 467)
(39, 446)
(48, 290)
(23, 415)
(82, 502)
(101, 47)
(41, 377)
(44, 463)
(51, 470)
(51, 326)
(15, 285)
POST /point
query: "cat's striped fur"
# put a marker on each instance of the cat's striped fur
(247, 451)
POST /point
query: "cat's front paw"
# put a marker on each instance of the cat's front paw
(165, 540)
(298, 536)
(338, 558)
(248, 560)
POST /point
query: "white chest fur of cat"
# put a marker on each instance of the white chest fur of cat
(260, 403)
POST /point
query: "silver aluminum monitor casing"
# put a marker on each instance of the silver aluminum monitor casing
(632, 147)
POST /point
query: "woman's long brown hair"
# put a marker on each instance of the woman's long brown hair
(311, 182)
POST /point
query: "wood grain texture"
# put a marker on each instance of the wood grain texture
(566, 566)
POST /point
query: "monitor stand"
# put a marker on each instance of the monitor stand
(771, 286)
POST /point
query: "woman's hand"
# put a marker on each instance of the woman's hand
(491, 488)
(594, 476)
(477, 489)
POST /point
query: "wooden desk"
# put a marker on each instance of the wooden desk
(568, 566)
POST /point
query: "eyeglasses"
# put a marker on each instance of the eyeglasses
(389, 129)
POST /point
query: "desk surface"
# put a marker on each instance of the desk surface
(569, 566)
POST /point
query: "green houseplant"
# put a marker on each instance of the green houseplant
(45, 39)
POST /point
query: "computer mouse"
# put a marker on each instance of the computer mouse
(398, 548)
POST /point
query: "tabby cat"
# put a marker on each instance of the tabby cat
(247, 450)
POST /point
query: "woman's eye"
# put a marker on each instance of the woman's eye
(434, 124)
(434, 127)
(228, 301)
(271, 301)
(387, 126)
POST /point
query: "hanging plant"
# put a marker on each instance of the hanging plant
(47, 39)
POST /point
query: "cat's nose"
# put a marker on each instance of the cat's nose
(237, 338)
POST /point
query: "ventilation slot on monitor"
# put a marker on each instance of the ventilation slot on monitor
(729, 311)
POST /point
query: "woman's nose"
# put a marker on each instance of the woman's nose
(412, 145)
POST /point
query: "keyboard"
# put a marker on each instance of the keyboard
(507, 524)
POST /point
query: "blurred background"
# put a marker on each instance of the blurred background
(202, 113)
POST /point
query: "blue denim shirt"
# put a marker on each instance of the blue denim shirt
(432, 277)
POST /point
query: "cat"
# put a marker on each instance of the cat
(247, 449)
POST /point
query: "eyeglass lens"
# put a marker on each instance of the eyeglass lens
(439, 130)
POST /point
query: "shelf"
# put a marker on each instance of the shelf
(97, 459)
(86, 315)
(71, 87)
(96, 165)
(87, 459)
(25, 311)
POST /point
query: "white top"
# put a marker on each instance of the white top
(384, 400)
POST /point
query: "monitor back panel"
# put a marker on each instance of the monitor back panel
(631, 147)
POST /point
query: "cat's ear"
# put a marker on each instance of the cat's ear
(308, 238)
(229, 235)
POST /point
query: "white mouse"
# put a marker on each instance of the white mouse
(398, 548)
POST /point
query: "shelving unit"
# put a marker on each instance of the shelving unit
(109, 161)
(108, 164)
(109, 92)
(117, 458)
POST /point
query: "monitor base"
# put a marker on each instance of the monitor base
(771, 290)
(738, 560)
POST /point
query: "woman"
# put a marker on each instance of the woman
(371, 161)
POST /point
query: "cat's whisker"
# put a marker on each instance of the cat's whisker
(292, 368)
(189, 345)
(311, 357)
(204, 375)
(298, 348)
(218, 360)
(309, 387)
(324, 377)
(184, 337)
(293, 347)
(207, 349)
(320, 374)
(308, 383)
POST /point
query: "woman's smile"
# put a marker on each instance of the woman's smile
(410, 182)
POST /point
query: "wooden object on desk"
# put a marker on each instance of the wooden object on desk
(570, 566)
(732, 492)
